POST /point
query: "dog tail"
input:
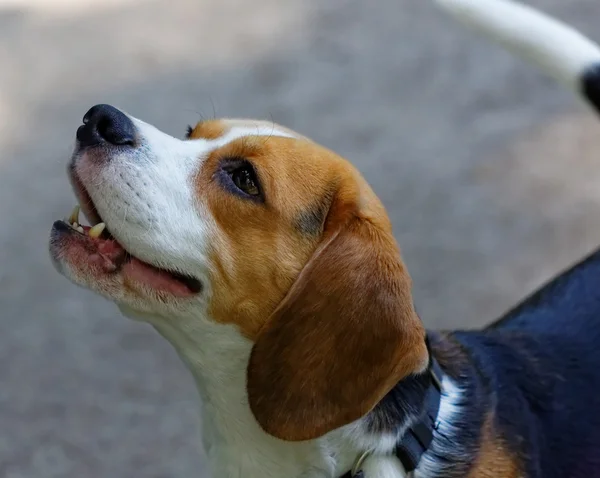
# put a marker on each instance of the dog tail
(567, 55)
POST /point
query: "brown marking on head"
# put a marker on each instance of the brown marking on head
(209, 129)
(258, 250)
(493, 460)
(326, 298)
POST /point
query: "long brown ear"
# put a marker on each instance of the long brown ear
(344, 336)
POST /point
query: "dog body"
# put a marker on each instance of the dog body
(270, 265)
(529, 382)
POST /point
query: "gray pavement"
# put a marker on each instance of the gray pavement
(490, 173)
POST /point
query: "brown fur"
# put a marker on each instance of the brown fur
(493, 459)
(209, 129)
(258, 249)
(329, 306)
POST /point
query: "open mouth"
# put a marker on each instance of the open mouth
(94, 247)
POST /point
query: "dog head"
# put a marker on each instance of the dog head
(248, 224)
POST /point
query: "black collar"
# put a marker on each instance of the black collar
(419, 436)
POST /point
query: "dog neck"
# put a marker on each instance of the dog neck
(235, 444)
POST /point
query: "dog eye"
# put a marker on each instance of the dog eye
(245, 180)
(239, 177)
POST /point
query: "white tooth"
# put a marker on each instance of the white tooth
(74, 217)
(80, 229)
(74, 225)
(95, 231)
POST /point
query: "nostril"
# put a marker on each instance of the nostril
(115, 132)
(103, 126)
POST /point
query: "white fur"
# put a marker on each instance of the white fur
(383, 466)
(146, 197)
(442, 444)
(147, 200)
(554, 46)
(236, 446)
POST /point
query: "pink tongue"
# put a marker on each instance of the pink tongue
(155, 278)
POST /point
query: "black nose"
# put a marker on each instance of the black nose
(106, 124)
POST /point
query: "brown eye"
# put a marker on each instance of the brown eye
(245, 180)
(238, 176)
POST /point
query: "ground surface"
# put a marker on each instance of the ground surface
(490, 173)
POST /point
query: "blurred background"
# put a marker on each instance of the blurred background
(490, 173)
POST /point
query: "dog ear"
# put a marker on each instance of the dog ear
(345, 334)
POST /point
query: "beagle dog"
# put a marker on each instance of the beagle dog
(290, 304)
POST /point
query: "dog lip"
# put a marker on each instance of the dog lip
(110, 256)
(104, 252)
(153, 274)
(85, 200)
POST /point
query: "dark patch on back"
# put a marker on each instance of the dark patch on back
(555, 365)
(540, 363)
(529, 387)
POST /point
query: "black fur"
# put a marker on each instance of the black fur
(536, 371)
(590, 85)
(544, 356)
(404, 403)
